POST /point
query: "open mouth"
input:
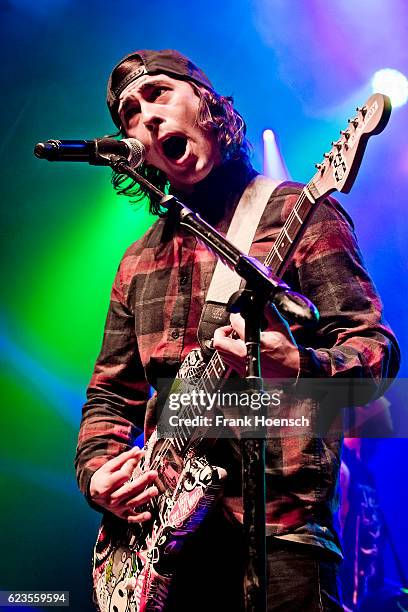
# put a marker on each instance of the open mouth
(175, 147)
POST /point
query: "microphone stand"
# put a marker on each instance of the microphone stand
(261, 288)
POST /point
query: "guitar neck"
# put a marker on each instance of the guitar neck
(336, 172)
(277, 259)
(292, 231)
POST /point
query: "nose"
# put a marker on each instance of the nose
(151, 117)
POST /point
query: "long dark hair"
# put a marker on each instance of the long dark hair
(215, 113)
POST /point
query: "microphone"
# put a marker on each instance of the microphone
(97, 152)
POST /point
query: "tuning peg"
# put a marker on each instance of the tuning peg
(353, 121)
(345, 133)
(338, 144)
(320, 167)
(362, 110)
(328, 156)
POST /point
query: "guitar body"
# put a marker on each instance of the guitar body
(133, 564)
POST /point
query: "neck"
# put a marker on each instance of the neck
(215, 195)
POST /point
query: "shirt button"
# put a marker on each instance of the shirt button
(175, 334)
(183, 280)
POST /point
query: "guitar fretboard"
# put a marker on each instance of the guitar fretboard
(291, 232)
(277, 260)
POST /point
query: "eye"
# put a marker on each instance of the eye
(131, 111)
(157, 92)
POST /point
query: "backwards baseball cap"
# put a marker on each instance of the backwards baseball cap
(150, 62)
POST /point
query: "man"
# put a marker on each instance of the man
(195, 141)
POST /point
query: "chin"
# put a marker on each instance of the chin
(191, 178)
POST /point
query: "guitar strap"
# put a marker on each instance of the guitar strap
(241, 233)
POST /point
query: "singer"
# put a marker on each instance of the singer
(195, 144)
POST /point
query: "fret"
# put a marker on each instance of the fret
(309, 195)
(181, 428)
(293, 226)
(277, 253)
(181, 438)
(219, 364)
(287, 235)
(184, 436)
(207, 385)
(213, 383)
(212, 365)
(215, 367)
(177, 443)
(188, 413)
(296, 213)
(186, 432)
(222, 368)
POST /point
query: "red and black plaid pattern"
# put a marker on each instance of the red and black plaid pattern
(156, 302)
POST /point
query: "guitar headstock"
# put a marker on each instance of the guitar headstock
(340, 165)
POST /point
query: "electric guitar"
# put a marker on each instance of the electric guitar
(133, 565)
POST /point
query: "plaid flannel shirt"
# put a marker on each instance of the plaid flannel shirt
(156, 301)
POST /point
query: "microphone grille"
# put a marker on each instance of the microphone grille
(137, 151)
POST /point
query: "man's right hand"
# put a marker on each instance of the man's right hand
(110, 489)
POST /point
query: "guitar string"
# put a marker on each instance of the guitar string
(268, 260)
(294, 214)
(272, 253)
(291, 217)
(211, 364)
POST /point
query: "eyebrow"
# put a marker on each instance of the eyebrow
(142, 89)
(148, 84)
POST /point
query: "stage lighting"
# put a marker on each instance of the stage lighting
(393, 83)
(268, 136)
(274, 165)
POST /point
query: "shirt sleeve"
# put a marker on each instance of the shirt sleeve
(113, 415)
(351, 340)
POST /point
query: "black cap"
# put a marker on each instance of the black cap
(169, 61)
